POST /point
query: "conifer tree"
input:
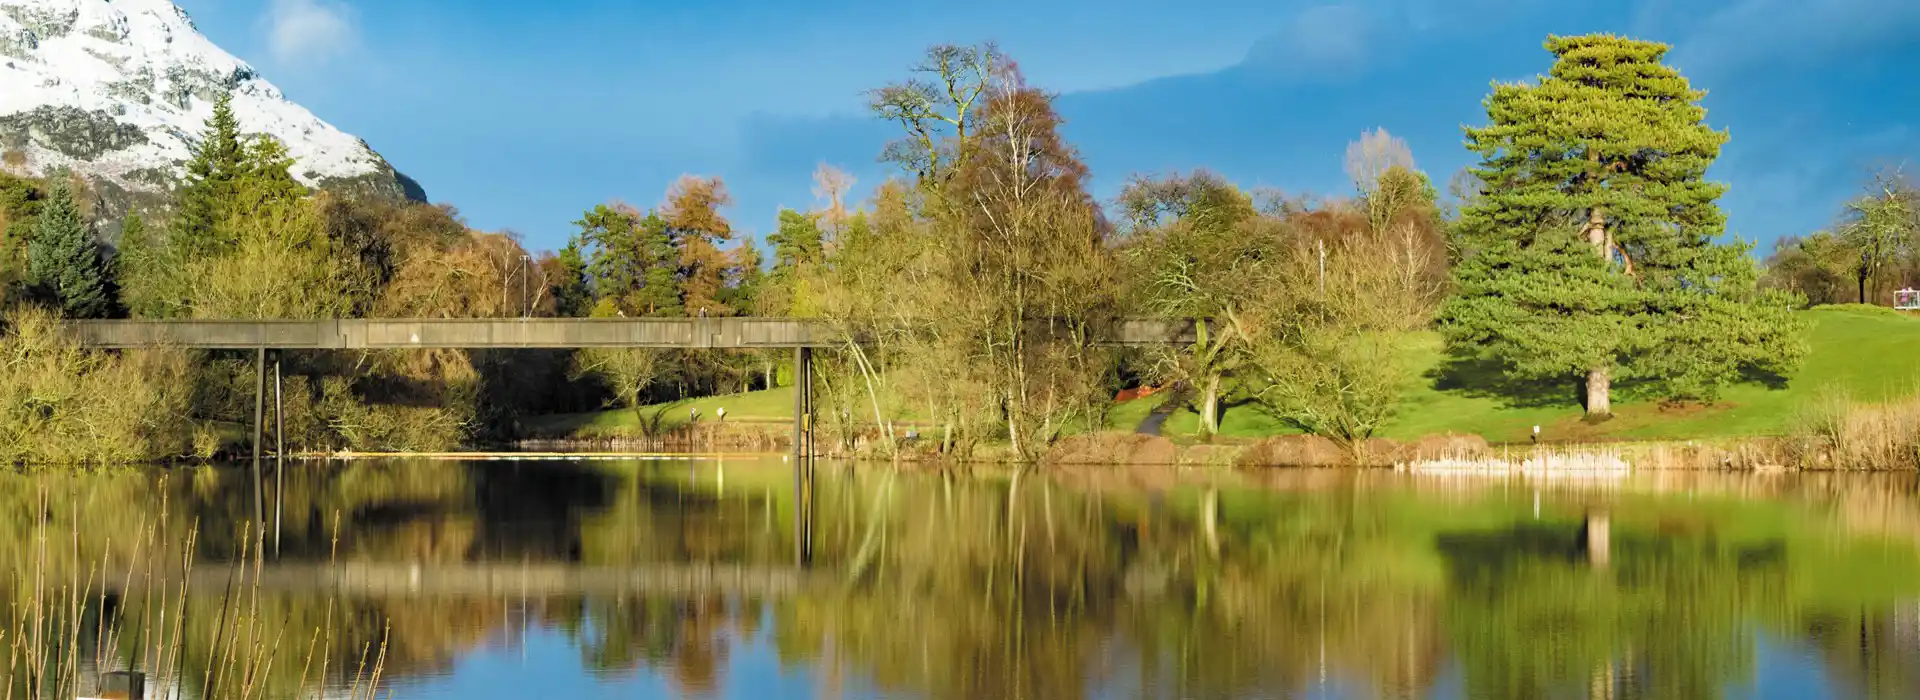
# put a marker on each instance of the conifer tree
(1593, 253)
(797, 240)
(567, 275)
(218, 163)
(63, 260)
(659, 293)
(629, 261)
(798, 244)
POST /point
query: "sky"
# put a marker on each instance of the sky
(524, 114)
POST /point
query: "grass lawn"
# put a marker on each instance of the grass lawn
(774, 405)
(1857, 352)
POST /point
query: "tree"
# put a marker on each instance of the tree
(64, 261)
(1369, 161)
(1593, 251)
(212, 175)
(692, 214)
(629, 261)
(566, 274)
(937, 108)
(1880, 226)
(1817, 267)
(1199, 251)
(1027, 263)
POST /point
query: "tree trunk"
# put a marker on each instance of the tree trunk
(1210, 407)
(1599, 378)
(1599, 393)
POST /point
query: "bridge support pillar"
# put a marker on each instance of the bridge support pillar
(259, 436)
(1597, 539)
(803, 455)
(279, 449)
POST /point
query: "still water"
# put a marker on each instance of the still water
(645, 579)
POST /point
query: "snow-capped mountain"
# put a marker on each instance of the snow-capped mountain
(119, 90)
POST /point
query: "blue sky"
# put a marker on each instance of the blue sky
(523, 114)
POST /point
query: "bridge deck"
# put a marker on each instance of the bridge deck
(370, 334)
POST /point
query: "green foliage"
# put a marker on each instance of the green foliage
(567, 282)
(210, 192)
(1594, 246)
(630, 261)
(797, 241)
(64, 261)
(60, 404)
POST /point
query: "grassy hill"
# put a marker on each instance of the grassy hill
(1856, 352)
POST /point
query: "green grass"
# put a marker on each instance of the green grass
(1865, 353)
(770, 406)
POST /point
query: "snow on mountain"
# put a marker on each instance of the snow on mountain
(119, 90)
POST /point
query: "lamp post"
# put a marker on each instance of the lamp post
(526, 303)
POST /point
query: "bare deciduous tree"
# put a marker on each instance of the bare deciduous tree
(1373, 155)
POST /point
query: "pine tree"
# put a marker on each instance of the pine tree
(745, 279)
(797, 240)
(659, 293)
(63, 260)
(567, 275)
(1593, 252)
(213, 173)
(630, 261)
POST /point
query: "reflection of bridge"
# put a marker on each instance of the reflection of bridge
(382, 580)
(474, 333)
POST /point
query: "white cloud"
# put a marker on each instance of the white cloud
(309, 31)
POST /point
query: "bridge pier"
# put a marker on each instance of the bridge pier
(279, 450)
(803, 455)
(1596, 536)
(259, 436)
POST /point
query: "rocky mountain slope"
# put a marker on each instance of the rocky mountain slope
(119, 91)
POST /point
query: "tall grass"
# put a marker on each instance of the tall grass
(72, 617)
(1834, 432)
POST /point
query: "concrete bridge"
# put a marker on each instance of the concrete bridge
(479, 333)
(801, 335)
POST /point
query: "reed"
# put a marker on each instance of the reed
(1835, 432)
(68, 622)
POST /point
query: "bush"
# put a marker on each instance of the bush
(60, 404)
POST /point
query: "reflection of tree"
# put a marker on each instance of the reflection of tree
(1671, 618)
(1871, 653)
(952, 587)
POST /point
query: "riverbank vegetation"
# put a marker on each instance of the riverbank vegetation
(1578, 277)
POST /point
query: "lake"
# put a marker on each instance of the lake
(680, 578)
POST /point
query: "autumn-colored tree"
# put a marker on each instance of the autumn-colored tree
(1026, 265)
(692, 214)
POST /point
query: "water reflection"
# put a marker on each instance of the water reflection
(672, 579)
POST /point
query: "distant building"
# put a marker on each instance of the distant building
(1906, 300)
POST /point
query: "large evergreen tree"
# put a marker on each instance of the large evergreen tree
(1593, 253)
(64, 261)
(629, 261)
(213, 175)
